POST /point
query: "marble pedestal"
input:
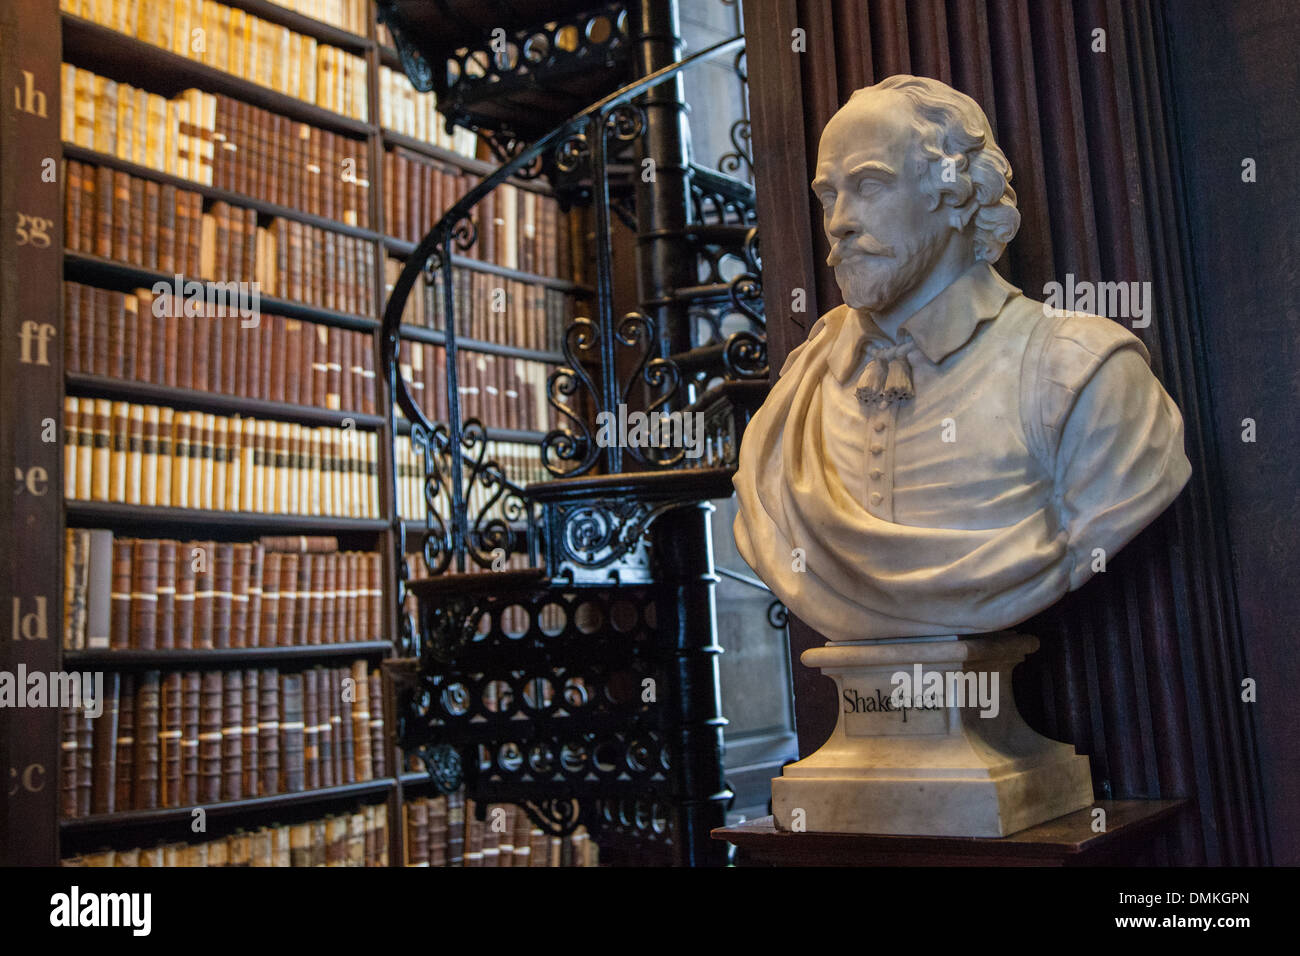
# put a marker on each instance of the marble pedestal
(961, 762)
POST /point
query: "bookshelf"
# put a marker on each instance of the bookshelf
(70, 36)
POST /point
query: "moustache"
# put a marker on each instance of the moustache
(858, 246)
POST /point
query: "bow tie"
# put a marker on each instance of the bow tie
(888, 375)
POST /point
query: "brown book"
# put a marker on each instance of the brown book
(185, 597)
(304, 625)
(120, 633)
(311, 729)
(250, 736)
(270, 600)
(170, 738)
(253, 637)
(125, 742)
(242, 565)
(329, 600)
(210, 715)
(68, 718)
(378, 750)
(291, 733)
(316, 599)
(287, 632)
(185, 348)
(345, 737)
(135, 221)
(167, 250)
(167, 551)
(191, 720)
(150, 229)
(361, 721)
(222, 595)
(144, 594)
(232, 732)
(268, 731)
(85, 760)
(147, 768)
(456, 828)
(104, 783)
(204, 593)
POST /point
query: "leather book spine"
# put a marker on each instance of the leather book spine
(170, 738)
(361, 721)
(147, 767)
(125, 742)
(120, 633)
(346, 739)
(191, 709)
(249, 738)
(104, 779)
(303, 588)
(253, 635)
(232, 735)
(291, 733)
(311, 729)
(222, 595)
(288, 623)
(144, 594)
(268, 731)
(186, 581)
(270, 616)
(241, 563)
(378, 750)
(204, 592)
(210, 714)
(166, 592)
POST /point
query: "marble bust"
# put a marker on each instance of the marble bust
(943, 455)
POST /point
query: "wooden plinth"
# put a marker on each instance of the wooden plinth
(1132, 826)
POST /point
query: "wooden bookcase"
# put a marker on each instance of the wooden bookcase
(30, 831)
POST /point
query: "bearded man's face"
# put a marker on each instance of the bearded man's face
(885, 237)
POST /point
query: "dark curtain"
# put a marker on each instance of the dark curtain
(1140, 669)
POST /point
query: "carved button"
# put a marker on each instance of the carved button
(877, 449)
(877, 497)
(877, 474)
(880, 426)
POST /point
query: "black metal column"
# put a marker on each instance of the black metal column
(683, 543)
(663, 206)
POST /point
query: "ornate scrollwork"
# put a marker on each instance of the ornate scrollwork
(444, 765)
(742, 151)
(569, 451)
(596, 534)
(464, 233)
(745, 356)
(449, 625)
(434, 447)
(558, 816)
(571, 151)
(625, 122)
(495, 527)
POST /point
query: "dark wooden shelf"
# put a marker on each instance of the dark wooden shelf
(114, 514)
(191, 400)
(402, 249)
(226, 808)
(435, 337)
(96, 270)
(81, 154)
(126, 59)
(300, 23)
(201, 657)
(389, 58)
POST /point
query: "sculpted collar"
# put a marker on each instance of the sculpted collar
(939, 328)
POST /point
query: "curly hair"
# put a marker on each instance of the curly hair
(954, 137)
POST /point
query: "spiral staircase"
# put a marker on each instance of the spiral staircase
(585, 688)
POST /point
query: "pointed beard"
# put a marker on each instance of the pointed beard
(874, 283)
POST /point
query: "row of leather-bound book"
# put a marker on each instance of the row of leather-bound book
(343, 839)
(149, 455)
(142, 336)
(125, 593)
(186, 738)
(241, 44)
(162, 227)
(446, 831)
